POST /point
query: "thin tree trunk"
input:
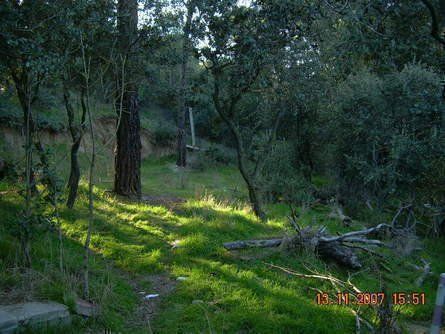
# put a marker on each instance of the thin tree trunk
(181, 145)
(24, 95)
(76, 136)
(25, 242)
(86, 283)
(254, 197)
(127, 179)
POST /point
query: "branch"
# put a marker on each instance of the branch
(263, 243)
(331, 279)
(349, 235)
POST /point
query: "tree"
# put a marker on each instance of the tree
(181, 145)
(26, 48)
(244, 45)
(387, 131)
(127, 179)
(92, 21)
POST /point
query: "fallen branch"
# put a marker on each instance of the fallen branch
(314, 238)
(261, 243)
(359, 319)
(348, 235)
(331, 279)
(426, 271)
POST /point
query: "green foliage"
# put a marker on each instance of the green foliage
(282, 180)
(388, 131)
(212, 157)
(162, 132)
(320, 100)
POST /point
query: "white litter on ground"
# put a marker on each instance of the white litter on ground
(151, 296)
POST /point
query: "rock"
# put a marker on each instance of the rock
(8, 323)
(35, 314)
(86, 309)
(182, 278)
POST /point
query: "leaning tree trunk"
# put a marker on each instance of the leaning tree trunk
(254, 196)
(255, 202)
(76, 135)
(127, 179)
(181, 144)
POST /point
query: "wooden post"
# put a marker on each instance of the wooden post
(440, 298)
(192, 127)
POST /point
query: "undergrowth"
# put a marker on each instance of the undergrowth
(225, 292)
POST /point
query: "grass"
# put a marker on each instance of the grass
(225, 292)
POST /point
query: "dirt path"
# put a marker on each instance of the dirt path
(148, 308)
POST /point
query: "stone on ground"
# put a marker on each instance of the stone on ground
(35, 314)
(8, 323)
(86, 308)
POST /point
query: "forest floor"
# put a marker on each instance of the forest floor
(142, 248)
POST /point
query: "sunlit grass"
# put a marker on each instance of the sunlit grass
(224, 292)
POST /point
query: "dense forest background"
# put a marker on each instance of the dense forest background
(324, 114)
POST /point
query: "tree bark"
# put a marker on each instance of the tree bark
(181, 144)
(127, 179)
(76, 135)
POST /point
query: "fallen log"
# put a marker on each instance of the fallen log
(338, 248)
(330, 250)
(260, 243)
(339, 253)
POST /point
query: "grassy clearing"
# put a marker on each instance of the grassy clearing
(225, 292)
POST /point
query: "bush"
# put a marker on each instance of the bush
(282, 180)
(212, 156)
(162, 133)
(387, 132)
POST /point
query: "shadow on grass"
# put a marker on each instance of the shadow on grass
(44, 281)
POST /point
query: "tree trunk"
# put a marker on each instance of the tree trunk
(255, 203)
(73, 181)
(24, 94)
(181, 144)
(87, 110)
(254, 198)
(127, 179)
(76, 135)
(25, 101)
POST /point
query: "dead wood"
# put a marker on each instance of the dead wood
(315, 239)
(261, 243)
(426, 271)
(343, 284)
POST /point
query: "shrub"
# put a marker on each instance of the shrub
(163, 133)
(387, 132)
(212, 156)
